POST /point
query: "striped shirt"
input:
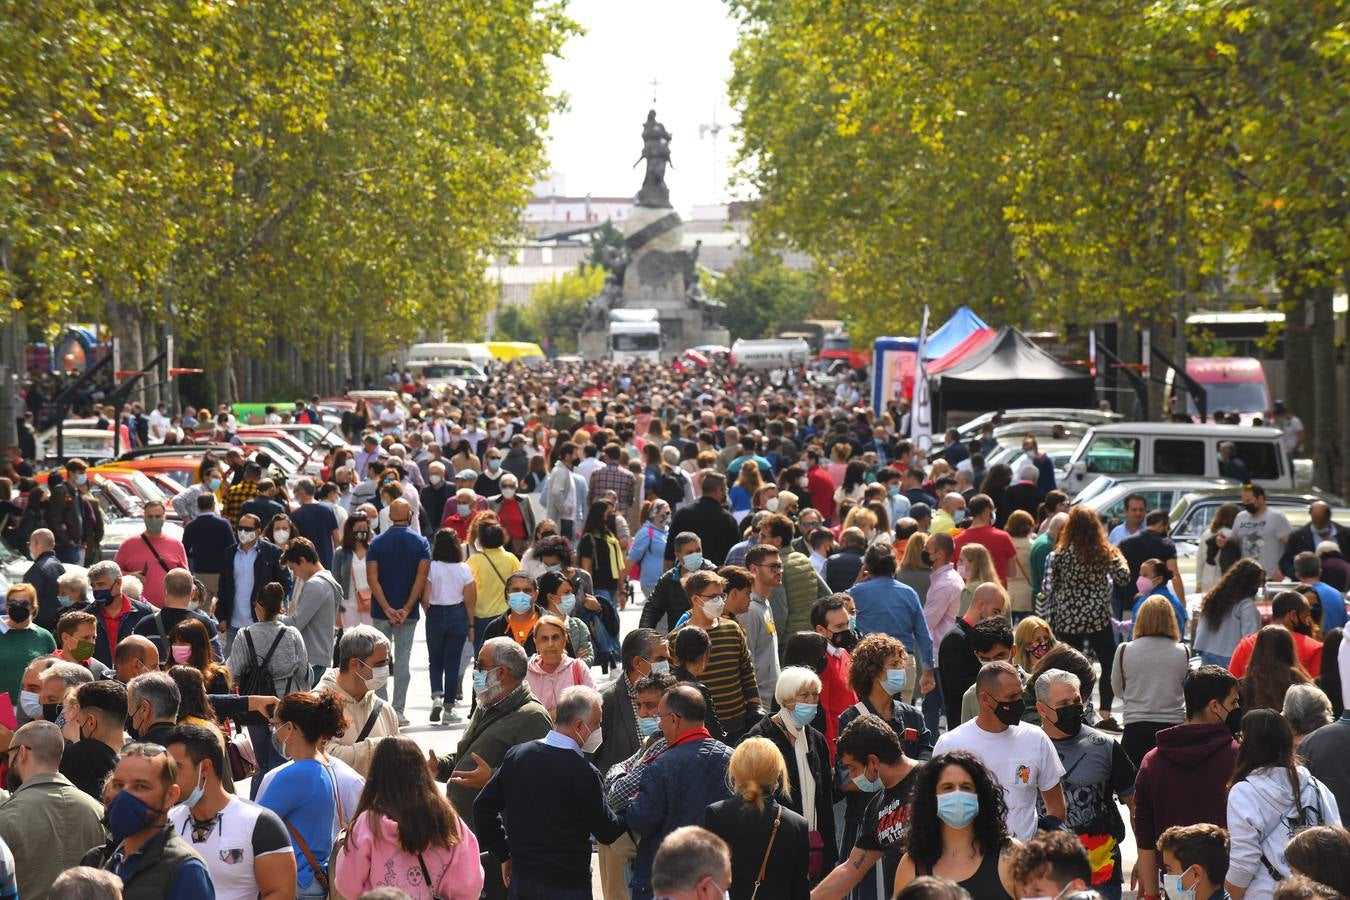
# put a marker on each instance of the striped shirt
(730, 673)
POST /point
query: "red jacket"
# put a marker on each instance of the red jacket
(821, 489)
(835, 694)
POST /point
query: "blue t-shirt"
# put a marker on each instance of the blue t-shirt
(1177, 606)
(302, 795)
(887, 606)
(1333, 606)
(397, 552)
(316, 522)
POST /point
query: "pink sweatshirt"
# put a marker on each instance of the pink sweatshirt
(369, 860)
(548, 685)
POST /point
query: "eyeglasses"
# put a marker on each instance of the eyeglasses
(143, 748)
(772, 567)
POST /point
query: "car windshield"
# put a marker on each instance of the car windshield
(449, 371)
(1232, 396)
(121, 501)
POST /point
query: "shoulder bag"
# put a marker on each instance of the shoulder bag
(764, 863)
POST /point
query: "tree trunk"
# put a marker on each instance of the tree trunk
(1298, 350)
(1324, 434)
(125, 325)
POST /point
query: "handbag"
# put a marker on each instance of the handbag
(764, 863)
(243, 761)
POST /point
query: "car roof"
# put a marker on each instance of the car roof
(1187, 429)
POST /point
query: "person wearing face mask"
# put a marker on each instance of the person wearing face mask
(397, 567)
(515, 513)
(349, 568)
(151, 554)
(488, 482)
(48, 823)
(178, 592)
(730, 672)
(957, 829)
(362, 668)
(304, 794)
(76, 632)
(709, 520)
(436, 494)
(680, 784)
(1052, 865)
(249, 564)
(186, 502)
(1195, 860)
(809, 773)
(669, 600)
(22, 641)
(1096, 770)
(1020, 756)
(552, 801)
(648, 550)
(830, 620)
(102, 712)
(1183, 781)
(558, 598)
(883, 776)
(209, 819)
(45, 575)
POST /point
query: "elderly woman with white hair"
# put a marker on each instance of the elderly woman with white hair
(807, 754)
(1307, 709)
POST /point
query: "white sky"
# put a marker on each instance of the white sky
(606, 76)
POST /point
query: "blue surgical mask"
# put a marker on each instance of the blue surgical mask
(892, 490)
(463, 509)
(520, 602)
(1172, 885)
(692, 562)
(894, 681)
(196, 796)
(648, 725)
(852, 623)
(64, 601)
(567, 604)
(958, 808)
(31, 704)
(661, 667)
(213, 484)
(867, 785)
(553, 568)
(804, 713)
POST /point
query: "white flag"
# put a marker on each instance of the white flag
(921, 403)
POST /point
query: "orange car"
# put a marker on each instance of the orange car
(182, 469)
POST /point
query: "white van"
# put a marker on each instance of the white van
(1177, 448)
(771, 353)
(478, 354)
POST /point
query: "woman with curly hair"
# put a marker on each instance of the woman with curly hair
(1228, 613)
(1079, 575)
(957, 828)
(877, 676)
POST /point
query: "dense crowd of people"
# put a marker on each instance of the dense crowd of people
(858, 668)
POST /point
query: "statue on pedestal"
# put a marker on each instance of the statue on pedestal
(656, 151)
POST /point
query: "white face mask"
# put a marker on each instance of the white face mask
(593, 741)
(508, 493)
(280, 536)
(771, 504)
(378, 676)
(247, 536)
(1172, 885)
(713, 608)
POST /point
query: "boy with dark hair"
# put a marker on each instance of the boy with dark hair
(1195, 860)
(1052, 864)
(991, 640)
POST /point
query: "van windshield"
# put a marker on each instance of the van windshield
(633, 342)
(444, 371)
(1232, 396)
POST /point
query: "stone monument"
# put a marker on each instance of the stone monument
(654, 271)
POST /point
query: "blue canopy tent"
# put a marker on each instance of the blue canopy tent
(960, 326)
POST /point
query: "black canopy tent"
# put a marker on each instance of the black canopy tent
(1010, 371)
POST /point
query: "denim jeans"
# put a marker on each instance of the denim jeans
(401, 636)
(933, 706)
(479, 628)
(447, 629)
(1214, 659)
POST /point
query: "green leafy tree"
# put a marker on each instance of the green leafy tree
(555, 308)
(761, 293)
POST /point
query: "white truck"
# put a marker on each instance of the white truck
(634, 334)
(772, 353)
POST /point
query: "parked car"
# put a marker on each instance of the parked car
(1051, 414)
(1158, 493)
(1193, 512)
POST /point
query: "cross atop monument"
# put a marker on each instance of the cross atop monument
(655, 84)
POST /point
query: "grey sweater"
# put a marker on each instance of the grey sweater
(314, 614)
(1147, 675)
(290, 664)
(1242, 620)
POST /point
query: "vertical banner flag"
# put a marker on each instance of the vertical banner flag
(921, 405)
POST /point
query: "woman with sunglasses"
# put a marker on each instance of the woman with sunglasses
(349, 568)
(304, 794)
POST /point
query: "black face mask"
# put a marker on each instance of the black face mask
(1234, 721)
(844, 640)
(19, 612)
(1010, 713)
(926, 558)
(51, 711)
(1069, 719)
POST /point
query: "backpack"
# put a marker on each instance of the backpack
(256, 680)
(671, 488)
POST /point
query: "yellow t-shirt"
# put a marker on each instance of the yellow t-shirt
(491, 569)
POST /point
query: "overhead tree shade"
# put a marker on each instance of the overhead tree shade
(1007, 372)
(953, 332)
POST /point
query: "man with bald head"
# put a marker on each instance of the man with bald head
(1320, 528)
(396, 567)
(957, 663)
(43, 575)
(135, 655)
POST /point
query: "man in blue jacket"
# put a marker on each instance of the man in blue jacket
(678, 785)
